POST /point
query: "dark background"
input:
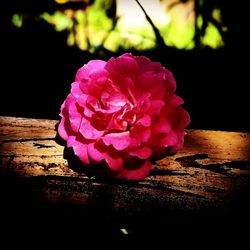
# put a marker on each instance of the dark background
(37, 68)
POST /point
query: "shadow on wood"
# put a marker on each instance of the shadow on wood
(205, 184)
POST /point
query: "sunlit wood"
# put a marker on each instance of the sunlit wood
(209, 169)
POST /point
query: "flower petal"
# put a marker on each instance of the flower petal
(126, 86)
(124, 65)
(115, 164)
(175, 100)
(170, 139)
(145, 121)
(140, 133)
(75, 89)
(99, 151)
(163, 126)
(169, 80)
(155, 107)
(185, 120)
(144, 63)
(121, 113)
(63, 128)
(119, 141)
(140, 170)
(88, 131)
(179, 144)
(142, 153)
(86, 69)
(177, 116)
(81, 150)
(71, 140)
(94, 153)
(75, 117)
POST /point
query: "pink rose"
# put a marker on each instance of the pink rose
(122, 114)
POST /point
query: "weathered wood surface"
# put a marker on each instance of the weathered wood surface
(211, 168)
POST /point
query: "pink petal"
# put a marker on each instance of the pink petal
(92, 77)
(154, 140)
(163, 126)
(175, 100)
(159, 152)
(91, 66)
(82, 99)
(115, 164)
(149, 82)
(69, 100)
(142, 153)
(129, 117)
(126, 86)
(139, 135)
(185, 119)
(93, 87)
(117, 99)
(75, 117)
(121, 118)
(143, 133)
(75, 89)
(144, 63)
(169, 80)
(170, 139)
(145, 121)
(99, 152)
(179, 144)
(99, 75)
(93, 103)
(143, 103)
(82, 102)
(71, 140)
(119, 141)
(88, 131)
(156, 106)
(87, 112)
(117, 123)
(62, 128)
(94, 153)
(93, 106)
(177, 116)
(125, 65)
(167, 75)
(157, 67)
(138, 173)
(81, 150)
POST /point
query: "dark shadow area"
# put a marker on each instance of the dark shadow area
(29, 219)
(75, 163)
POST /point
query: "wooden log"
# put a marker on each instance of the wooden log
(206, 173)
(207, 181)
(199, 193)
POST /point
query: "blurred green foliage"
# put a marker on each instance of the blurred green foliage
(121, 24)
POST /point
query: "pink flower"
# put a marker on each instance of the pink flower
(122, 114)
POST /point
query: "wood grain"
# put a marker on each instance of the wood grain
(206, 173)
